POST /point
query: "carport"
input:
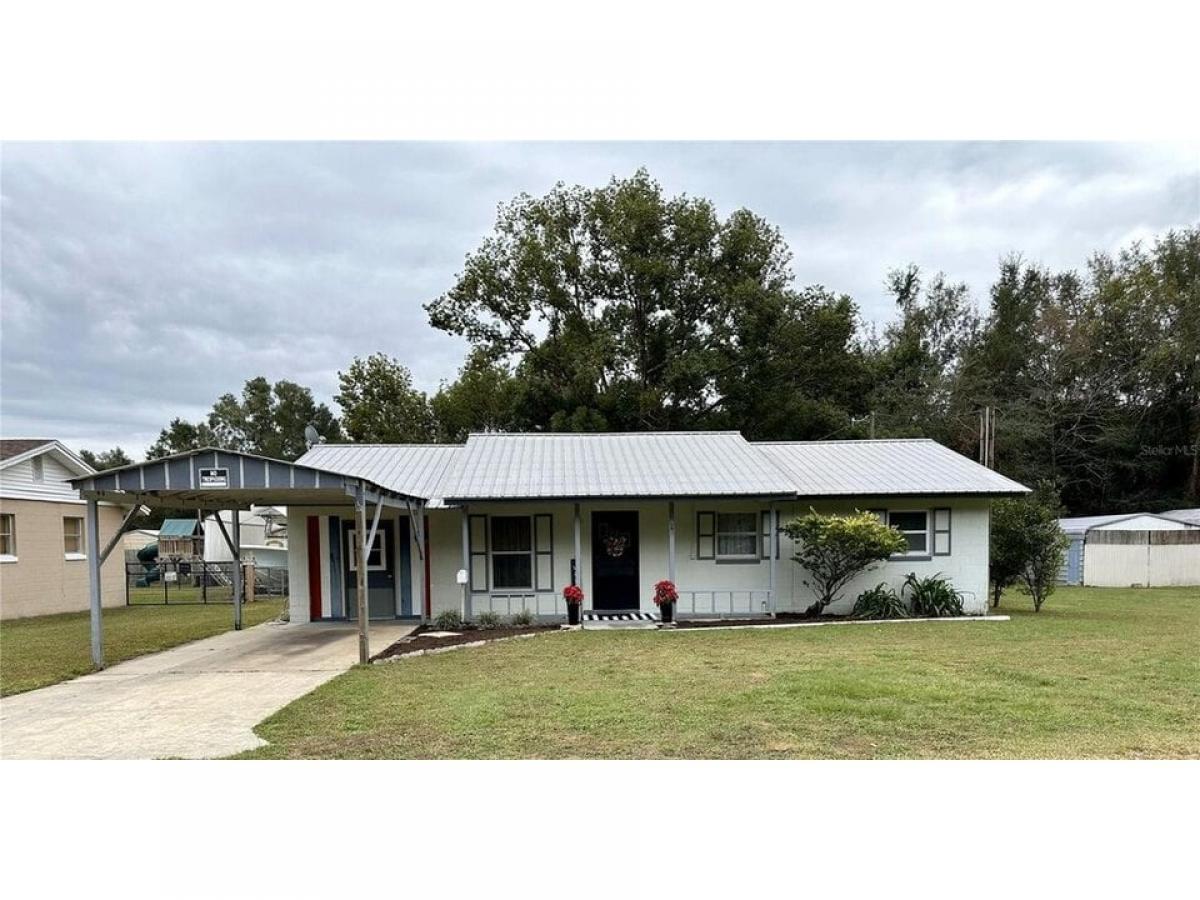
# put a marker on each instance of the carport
(213, 480)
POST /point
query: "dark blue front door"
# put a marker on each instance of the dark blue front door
(381, 571)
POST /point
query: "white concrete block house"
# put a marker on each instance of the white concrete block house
(525, 514)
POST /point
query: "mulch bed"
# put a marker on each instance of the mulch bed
(420, 641)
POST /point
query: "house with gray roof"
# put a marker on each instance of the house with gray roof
(508, 520)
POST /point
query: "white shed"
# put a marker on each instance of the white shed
(1128, 549)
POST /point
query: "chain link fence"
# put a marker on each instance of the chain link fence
(193, 581)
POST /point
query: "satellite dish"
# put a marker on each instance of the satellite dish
(311, 435)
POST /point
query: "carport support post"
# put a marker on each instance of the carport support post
(578, 554)
(236, 539)
(360, 576)
(93, 527)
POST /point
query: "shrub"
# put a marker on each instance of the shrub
(879, 602)
(1027, 544)
(448, 620)
(932, 596)
(523, 618)
(834, 549)
(488, 620)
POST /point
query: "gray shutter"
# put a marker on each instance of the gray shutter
(543, 552)
(941, 531)
(706, 535)
(477, 545)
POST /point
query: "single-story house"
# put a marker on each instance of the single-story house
(503, 522)
(264, 539)
(43, 544)
(1127, 549)
(523, 515)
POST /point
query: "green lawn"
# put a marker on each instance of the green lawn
(44, 650)
(1098, 673)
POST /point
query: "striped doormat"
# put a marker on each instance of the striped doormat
(616, 619)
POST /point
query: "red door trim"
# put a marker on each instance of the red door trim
(314, 568)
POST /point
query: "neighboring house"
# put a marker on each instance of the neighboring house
(264, 537)
(1131, 549)
(526, 514)
(43, 540)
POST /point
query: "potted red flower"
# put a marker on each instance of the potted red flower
(665, 596)
(573, 594)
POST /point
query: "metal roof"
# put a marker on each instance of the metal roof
(413, 469)
(223, 479)
(178, 528)
(1190, 516)
(656, 464)
(1084, 524)
(912, 466)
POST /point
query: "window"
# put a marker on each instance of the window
(39, 468)
(512, 552)
(914, 525)
(376, 559)
(737, 536)
(8, 535)
(73, 542)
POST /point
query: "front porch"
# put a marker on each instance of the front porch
(722, 555)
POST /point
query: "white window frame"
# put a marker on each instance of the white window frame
(380, 544)
(913, 554)
(754, 532)
(11, 534)
(81, 539)
(531, 553)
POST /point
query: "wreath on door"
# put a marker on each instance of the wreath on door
(615, 545)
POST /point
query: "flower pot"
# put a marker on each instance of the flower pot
(573, 613)
(668, 612)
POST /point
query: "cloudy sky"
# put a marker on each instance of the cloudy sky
(140, 281)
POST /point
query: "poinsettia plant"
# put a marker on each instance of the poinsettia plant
(573, 593)
(664, 592)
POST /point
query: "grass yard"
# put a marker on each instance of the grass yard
(1098, 673)
(45, 650)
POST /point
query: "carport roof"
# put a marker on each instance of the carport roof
(211, 478)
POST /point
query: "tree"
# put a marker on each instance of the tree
(268, 420)
(623, 309)
(107, 459)
(1027, 545)
(482, 398)
(380, 405)
(833, 549)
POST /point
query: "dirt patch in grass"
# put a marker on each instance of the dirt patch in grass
(421, 640)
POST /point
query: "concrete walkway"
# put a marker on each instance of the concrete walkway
(199, 700)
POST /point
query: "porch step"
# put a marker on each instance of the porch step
(613, 620)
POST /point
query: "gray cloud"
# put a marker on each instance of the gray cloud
(139, 281)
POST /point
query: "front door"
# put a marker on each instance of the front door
(381, 572)
(615, 560)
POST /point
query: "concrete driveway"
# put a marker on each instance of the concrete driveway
(199, 700)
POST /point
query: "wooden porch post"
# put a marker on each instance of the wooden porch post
(772, 543)
(671, 541)
(360, 575)
(466, 560)
(578, 550)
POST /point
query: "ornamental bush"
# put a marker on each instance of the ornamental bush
(448, 620)
(833, 549)
(488, 620)
(523, 618)
(932, 596)
(880, 602)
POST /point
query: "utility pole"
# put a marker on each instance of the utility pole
(987, 437)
